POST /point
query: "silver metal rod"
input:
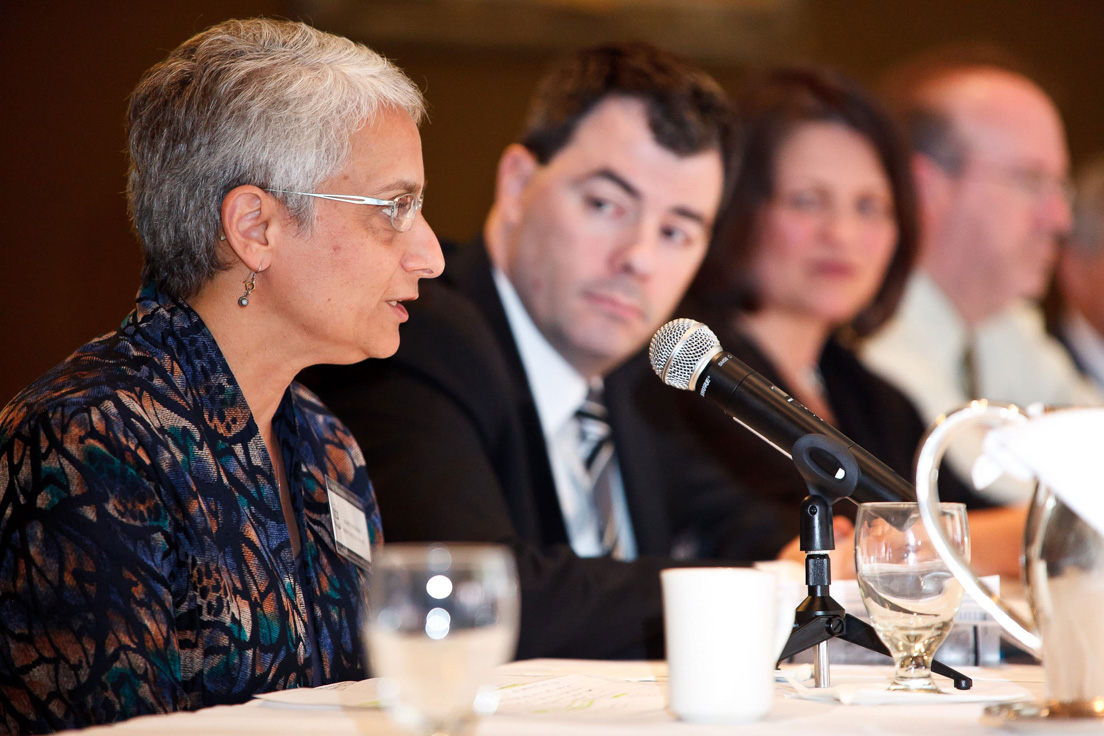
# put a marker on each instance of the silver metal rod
(821, 676)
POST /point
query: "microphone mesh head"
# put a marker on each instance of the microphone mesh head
(678, 348)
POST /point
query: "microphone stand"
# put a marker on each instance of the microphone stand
(819, 618)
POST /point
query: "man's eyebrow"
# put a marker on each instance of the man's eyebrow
(616, 179)
(613, 177)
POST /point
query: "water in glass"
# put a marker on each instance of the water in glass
(911, 596)
(441, 619)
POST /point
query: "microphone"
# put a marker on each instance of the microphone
(687, 355)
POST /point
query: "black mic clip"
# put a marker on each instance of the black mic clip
(831, 472)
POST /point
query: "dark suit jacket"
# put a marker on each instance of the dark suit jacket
(455, 450)
(1061, 334)
(867, 409)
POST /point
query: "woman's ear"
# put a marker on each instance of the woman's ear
(252, 220)
(515, 169)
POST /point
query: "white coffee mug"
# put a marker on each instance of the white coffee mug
(725, 628)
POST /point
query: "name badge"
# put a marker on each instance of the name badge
(350, 525)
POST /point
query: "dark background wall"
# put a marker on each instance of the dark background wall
(69, 264)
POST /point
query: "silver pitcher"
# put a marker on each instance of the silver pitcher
(1063, 568)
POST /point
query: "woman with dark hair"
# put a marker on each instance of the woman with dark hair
(811, 255)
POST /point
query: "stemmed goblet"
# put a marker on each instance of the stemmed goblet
(440, 619)
(911, 596)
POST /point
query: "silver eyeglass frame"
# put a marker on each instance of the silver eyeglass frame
(390, 204)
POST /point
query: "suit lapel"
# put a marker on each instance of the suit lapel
(469, 270)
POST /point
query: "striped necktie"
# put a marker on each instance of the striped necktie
(595, 451)
(970, 383)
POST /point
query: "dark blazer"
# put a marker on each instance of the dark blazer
(1061, 334)
(454, 447)
(867, 409)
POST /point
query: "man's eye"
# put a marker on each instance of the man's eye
(600, 204)
(1030, 181)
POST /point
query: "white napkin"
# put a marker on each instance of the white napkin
(1064, 449)
(872, 690)
(346, 694)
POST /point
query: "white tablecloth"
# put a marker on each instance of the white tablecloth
(637, 707)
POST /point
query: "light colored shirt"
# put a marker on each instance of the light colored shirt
(921, 351)
(558, 391)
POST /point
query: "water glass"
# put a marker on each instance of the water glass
(909, 592)
(441, 618)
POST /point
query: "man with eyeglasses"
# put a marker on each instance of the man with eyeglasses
(990, 166)
(509, 414)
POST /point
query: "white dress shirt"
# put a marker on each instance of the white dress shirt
(558, 391)
(921, 351)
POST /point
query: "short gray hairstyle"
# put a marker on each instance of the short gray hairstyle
(263, 102)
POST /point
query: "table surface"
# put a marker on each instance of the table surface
(544, 696)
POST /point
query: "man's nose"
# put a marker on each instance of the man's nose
(637, 251)
(1058, 210)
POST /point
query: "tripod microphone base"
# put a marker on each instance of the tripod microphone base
(819, 618)
(822, 627)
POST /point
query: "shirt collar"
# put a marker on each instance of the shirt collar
(931, 310)
(558, 389)
(178, 330)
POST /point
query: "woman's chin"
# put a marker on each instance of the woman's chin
(382, 347)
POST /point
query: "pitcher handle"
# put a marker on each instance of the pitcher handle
(931, 452)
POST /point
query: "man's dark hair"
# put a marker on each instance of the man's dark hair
(688, 112)
(772, 108)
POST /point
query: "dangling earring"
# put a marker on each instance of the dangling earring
(250, 284)
(222, 236)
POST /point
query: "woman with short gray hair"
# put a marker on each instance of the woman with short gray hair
(167, 492)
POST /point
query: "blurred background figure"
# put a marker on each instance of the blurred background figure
(810, 256)
(991, 172)
(1075, 310)
(166, 539)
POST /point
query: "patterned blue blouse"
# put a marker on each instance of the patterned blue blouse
(145, 564)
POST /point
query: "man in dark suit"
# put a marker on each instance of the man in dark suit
(1075, 306)
(602, 215)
